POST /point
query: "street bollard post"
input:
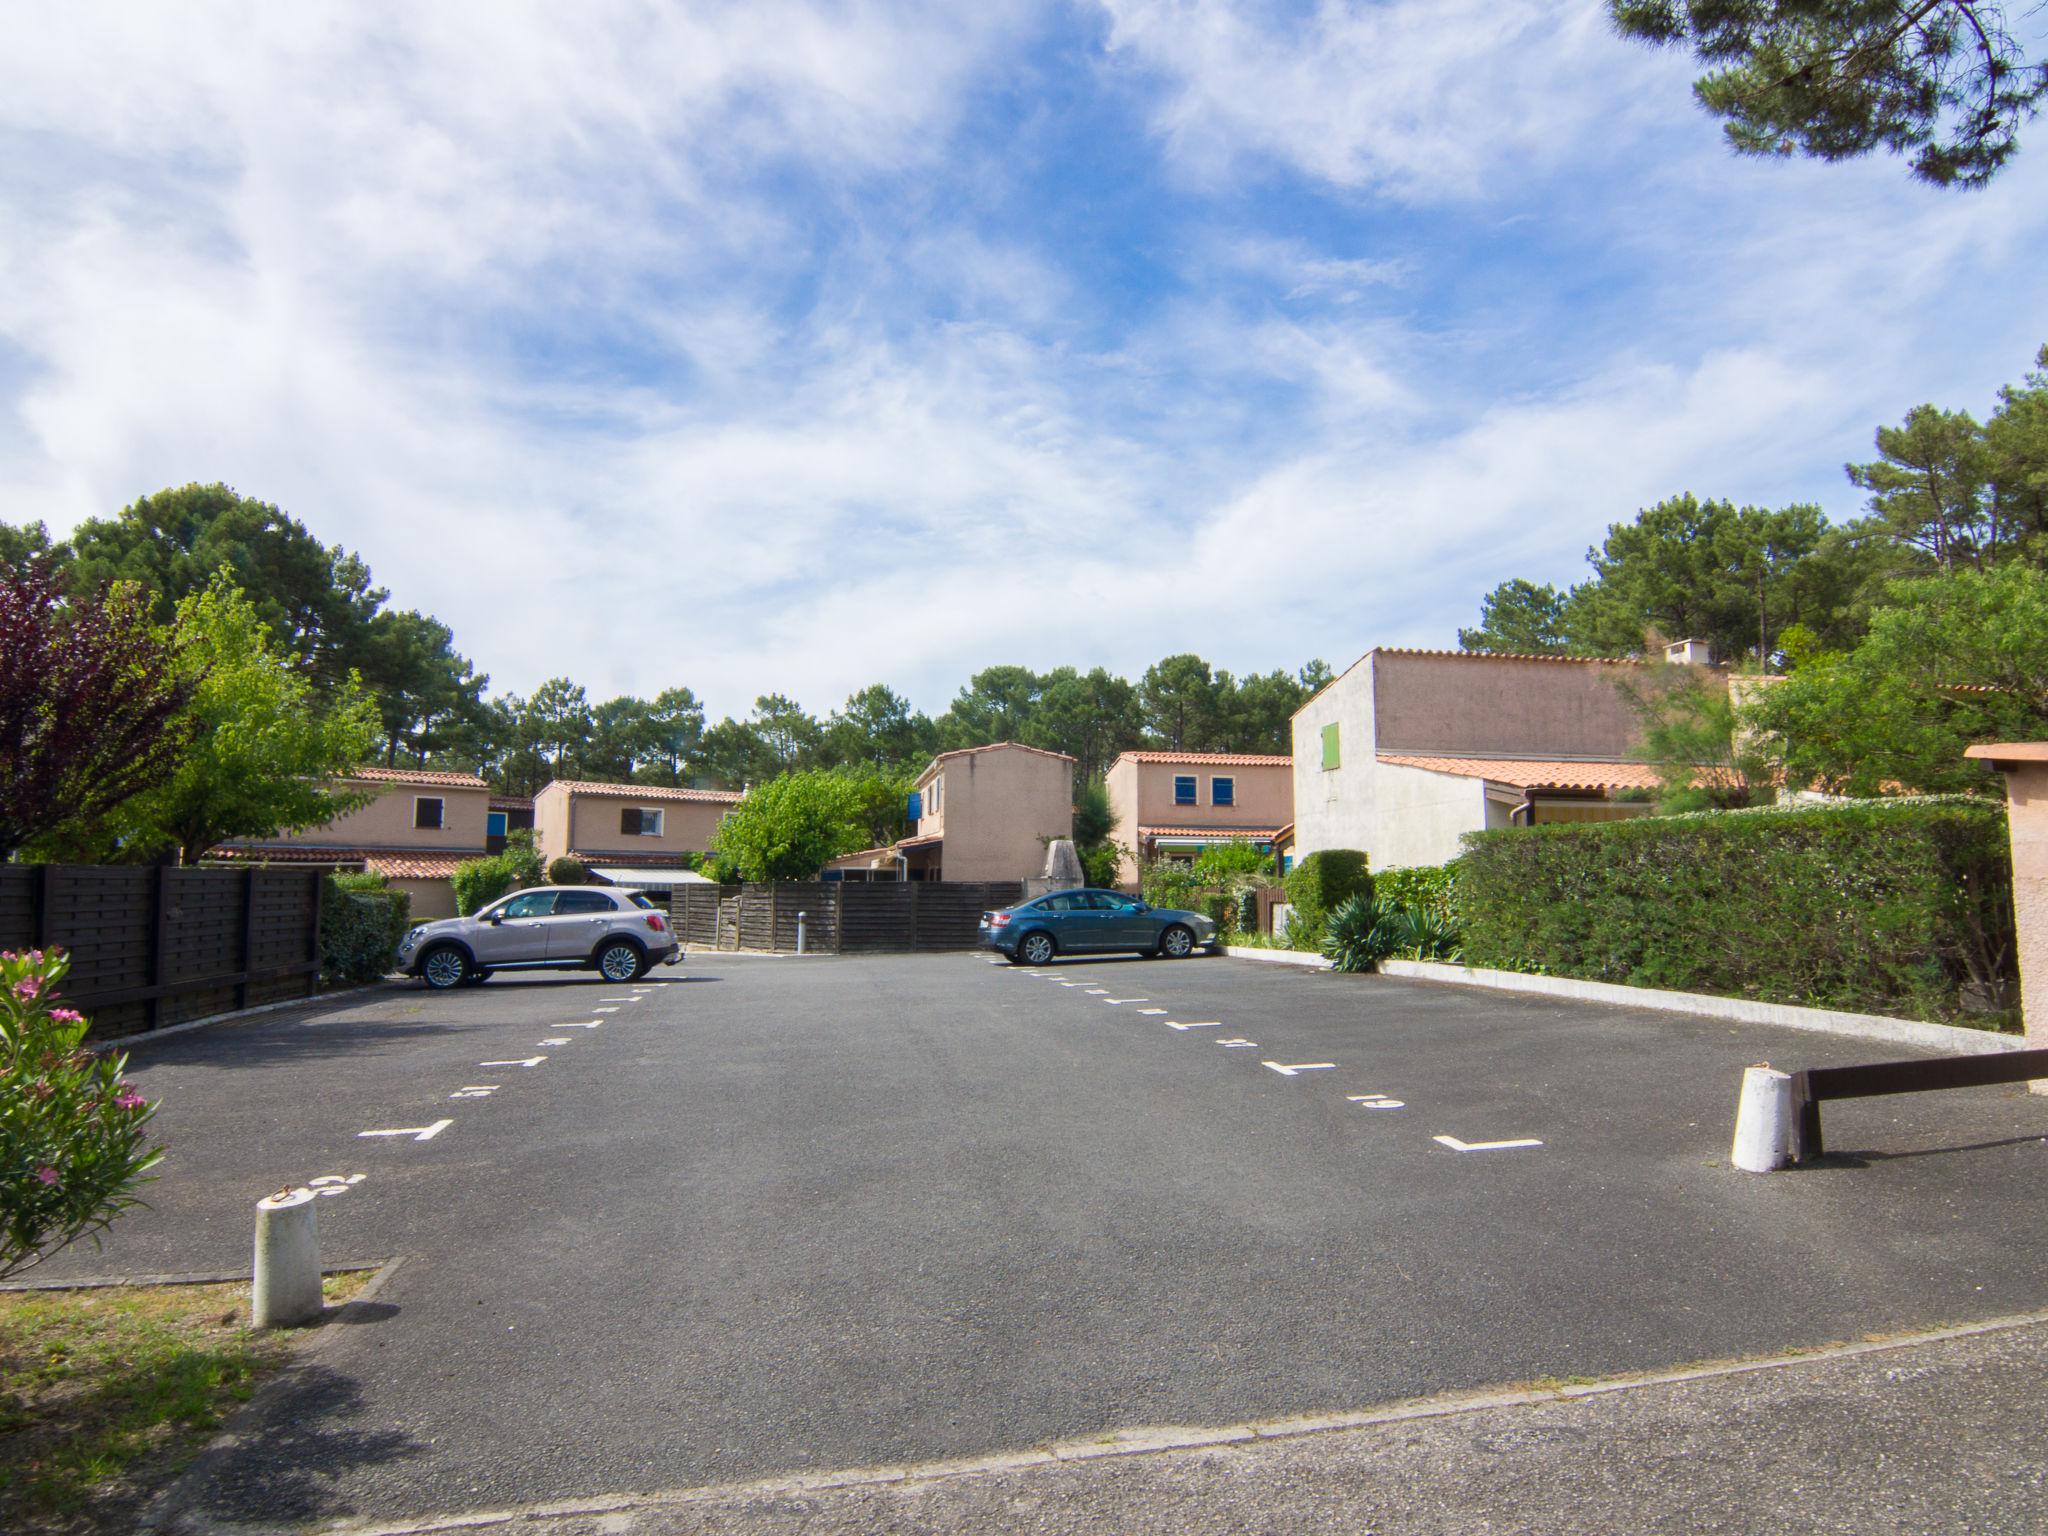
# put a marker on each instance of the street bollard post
(287, 1288)
(1763, 1121)
(800, 931)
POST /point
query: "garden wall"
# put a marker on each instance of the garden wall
(841, 917)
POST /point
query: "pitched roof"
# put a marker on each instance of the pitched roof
(1577, 661)
(1226, 833)
(395, 863)
(1218, 759)
(590, 857)
(511, 802)
(1535, 773)
(433, 778)
(646, 791)
(994, 746)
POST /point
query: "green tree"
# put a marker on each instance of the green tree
(790, 827)
(675, 733)
(733, 755)
(1704, 758)
(1944, 81)
(1518, 618)
(1257, 711)
(877, 729)
(996, 705)
(23, 544)
(1950, 660)
(1090, 717)
(265, 749)
(426, 694)
(555, 722)
(620, 736)
(788, 732)
(1179, 698)
(316, 601)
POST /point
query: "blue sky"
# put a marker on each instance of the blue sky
(795, 347)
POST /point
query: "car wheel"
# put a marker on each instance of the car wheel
(1037, 949)
(1177, 943)
(621, 960)
(476, 977)
(444, 968)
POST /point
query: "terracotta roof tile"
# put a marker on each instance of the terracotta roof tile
(417, 866)
(1263, 833)
(511, 802)
(1528, 773)
(396, 863)
(1219, 759)
(646, 791)
(627, 858)
(428, 776)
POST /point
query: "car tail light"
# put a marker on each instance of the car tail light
(656, 922)
(999, 919)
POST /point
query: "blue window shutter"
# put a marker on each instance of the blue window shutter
(915, 811)
(1184, 789)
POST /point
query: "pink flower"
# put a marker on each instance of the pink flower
(28, 988)
(129, 1099)
(47, 1174)
(67, 1015)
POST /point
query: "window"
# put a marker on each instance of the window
(583, 901)
(638, 821)
(1330, 757)
(426, 812)
(532, 904)
(494, 824)
(1183, 789)
(936, 785)
(1223, 791)
(1109, 901)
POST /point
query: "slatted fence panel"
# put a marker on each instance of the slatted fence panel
(818, 900)
(876, 915)
(949, 911)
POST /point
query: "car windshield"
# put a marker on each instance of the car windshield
(530, 904)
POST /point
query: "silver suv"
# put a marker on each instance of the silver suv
(579, 927)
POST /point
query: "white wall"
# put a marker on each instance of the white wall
(1419, 817)
(1332, 807)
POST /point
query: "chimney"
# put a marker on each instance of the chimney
(1689, 653)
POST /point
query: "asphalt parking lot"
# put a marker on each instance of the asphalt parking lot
(773, 1214)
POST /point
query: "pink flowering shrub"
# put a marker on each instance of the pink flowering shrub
(71, 1127)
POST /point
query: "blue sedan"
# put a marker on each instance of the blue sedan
(1092, 922)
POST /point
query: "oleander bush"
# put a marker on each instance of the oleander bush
(72, 1149)
(1900, 907)
(361, 922)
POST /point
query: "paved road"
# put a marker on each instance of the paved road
(810, 1214)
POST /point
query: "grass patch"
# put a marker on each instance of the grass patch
(106, 1394)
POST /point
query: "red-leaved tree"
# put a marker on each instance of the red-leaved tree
(90, 703)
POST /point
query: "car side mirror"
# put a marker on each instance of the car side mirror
(495, 918)
(1141, 906)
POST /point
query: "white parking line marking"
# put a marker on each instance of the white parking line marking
(618, 999)
(1288, 1070)
(557, 1040)
(1151, 1010)
(1210, 1024)
(587, 1024)
(1098, 991)
(604, 1010)
(1237, 1043)
(1483, 1146)
(475, 1091)
(1373, 1101)
(416, 1132)
(334, 1183)
(1115, 1001)
(530, 1061)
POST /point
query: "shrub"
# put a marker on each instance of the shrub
(1362, 932)
(1169, 883)
(1318, 885)
(1246, 910)
(1431, 888)
(479, 882)
(71, 1127)
(1099, 865)
(1232, 864)
(521, 858)
(567, 871)
(360, 926)
(1898, 907)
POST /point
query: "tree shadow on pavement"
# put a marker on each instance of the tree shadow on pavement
(292, 1459)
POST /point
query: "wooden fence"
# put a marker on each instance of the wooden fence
(151, 947)
(840, 917)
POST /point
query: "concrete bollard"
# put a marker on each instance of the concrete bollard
(287, 1260)
(800, 931)
(1763, 1121)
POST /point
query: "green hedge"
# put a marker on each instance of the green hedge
(1431, 888)
(360, 926)
(1320, 884)
(1897, 907)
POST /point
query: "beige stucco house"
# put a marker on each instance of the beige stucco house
(630, 834)
(984, 813)
(417, 828)
(1175, 804)
(1409, 750)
